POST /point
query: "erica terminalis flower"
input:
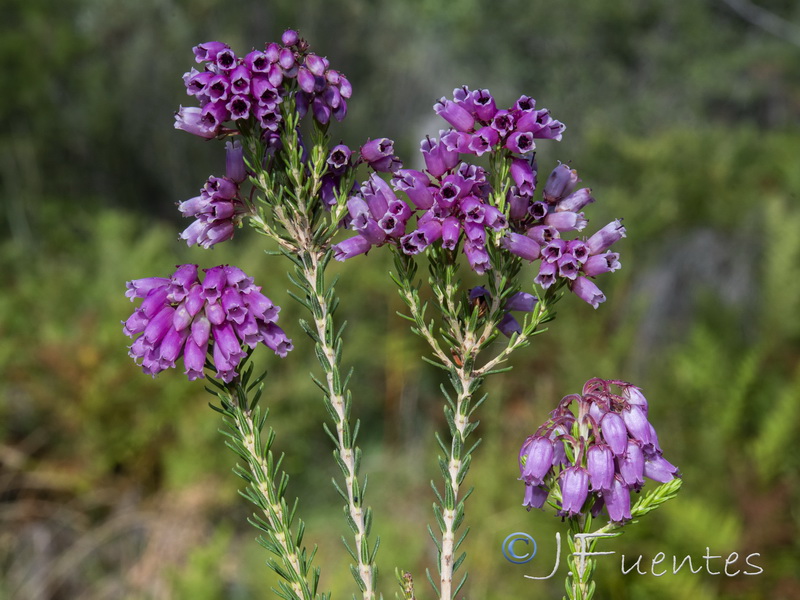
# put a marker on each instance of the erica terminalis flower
(612, 446)
(218, 210)
(210, 320)
(540, 231)
(248, 91)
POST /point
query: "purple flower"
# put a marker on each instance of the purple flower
(378, 217)
(521, 142)
(180, 316)
(634, 396)
(574, 484)
(600, 464)
(524, 176)
(547, 274)
(587, 291)
(290, 37)
(659, 469)
(194, 121)
(606, 237)
(575, 201)
(535, 496)
(416, 186)
(601, 263)
(612, 427)
(483, 140)
(208, 51)
(636, 421)
(451, 231)
(618, 501)
(454, 114)
(520, 301)
(339, 158)
(565, 221)
(484, 107)
(379, 155)
(521, 246)
(631, 465)
(478, 257)
(560, 183)
(605, 451)
(234, 162)
(503, 122)
(232, 88)
(218, 210)
(537, 460)
(438, 157)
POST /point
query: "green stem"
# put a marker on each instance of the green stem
(322, 303)
(266, 488)
(581, 567)
(293, 215)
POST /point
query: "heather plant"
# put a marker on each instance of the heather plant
(481, 229)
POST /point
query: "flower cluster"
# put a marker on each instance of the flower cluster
(182, 316)
(232, 88)
(596, 458)
(376, 214)
(218, 209)
(537, 227)
(479, 126)
(454, 201)
(452, 198)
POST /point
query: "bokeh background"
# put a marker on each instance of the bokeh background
(682, 117)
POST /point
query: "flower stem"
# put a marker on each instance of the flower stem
(321, 301)
(467, 330)
(292, 213)
(458, 460)
(266, 487)
(579, 578)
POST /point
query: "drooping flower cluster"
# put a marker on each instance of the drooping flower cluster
(456, 205)
(232, 88)
(597, 457)
(182, 316)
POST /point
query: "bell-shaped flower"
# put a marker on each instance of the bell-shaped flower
(600, 464)
(574, 484)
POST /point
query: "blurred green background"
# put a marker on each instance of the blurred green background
(682, 117)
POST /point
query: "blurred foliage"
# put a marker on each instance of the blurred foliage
(681, 116)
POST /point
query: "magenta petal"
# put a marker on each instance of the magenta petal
(194, 358)
(275, 338)
(351, 247)
(618, 501)
(201, 329)
(614, 432)
(588, 291)
(574, 483)
(172, 345)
